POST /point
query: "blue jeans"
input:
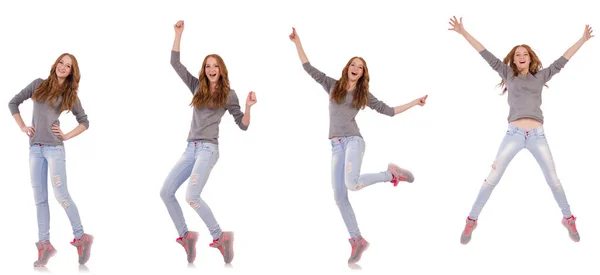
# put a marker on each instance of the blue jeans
(45, 159)
(515, 140)
(195, 164)
(347, 155)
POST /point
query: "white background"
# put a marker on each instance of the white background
(272, 183)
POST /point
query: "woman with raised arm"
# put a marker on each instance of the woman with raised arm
(50, 98)
(212, 96)
(346, 97)
(523, 78)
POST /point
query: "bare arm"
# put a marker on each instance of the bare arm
(419, 101)
(246, 117)
(502, 69)
(587, 34)
(75, 132)
(296, 39)
(178, 31)
(458, 27)
(29, 130)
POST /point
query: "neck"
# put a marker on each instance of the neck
(212, 87)
(351, 85)
(61, 81)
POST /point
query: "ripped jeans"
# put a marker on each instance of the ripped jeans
(44, 160)
(195, 164)
(347, 155)
(515, 140)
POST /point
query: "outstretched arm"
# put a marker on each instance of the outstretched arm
(587, 34)
(556, 66)
(382, 108)
(419, 101)
(458, 27)
(496, 64)
(327, 82)
(296, 39)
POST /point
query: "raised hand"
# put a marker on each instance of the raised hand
(294, 36)
(29, 130)
(251, 99)
(587, 34)
(179, 27)
(457, 25)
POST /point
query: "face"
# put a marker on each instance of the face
(356, 69)
(63, 68)
(211, 70)
(522, 59)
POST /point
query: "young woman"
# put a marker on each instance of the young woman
(212, 96)
(523, 78)
(346, 97)
(50, 98)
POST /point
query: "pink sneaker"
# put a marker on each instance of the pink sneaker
(45, 252)
(470, 225)
(225, 246)
(359, 245)
(570, 225)
(399, 174)
(84, 247)
(188, 241)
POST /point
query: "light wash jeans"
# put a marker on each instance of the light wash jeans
(515, 140)
(195, 164)
(44, 159)
(347, 155)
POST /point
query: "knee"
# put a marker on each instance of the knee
(489, 183)
(64, 200)
(354, 184)
(165, 194)
(341, 200)
(193, 200)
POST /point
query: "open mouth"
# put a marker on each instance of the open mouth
(521, 62)
(212, 75)
(353, 73)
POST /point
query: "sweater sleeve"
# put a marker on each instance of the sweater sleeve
(327, 82)
(25, 94)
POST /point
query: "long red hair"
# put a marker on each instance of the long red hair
(50, 90)
(361, 98)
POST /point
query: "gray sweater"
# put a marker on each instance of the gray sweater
(45, 114)
(342, 116)
(205, 121)
(524, 92)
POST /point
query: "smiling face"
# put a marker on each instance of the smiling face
(522, 59)
(212, 70)
(64, 67)
(356, 69)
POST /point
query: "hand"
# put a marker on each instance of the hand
(587, 34)
(179, 27)
(57, 132)
(420, 101)
(251, 99)
(294, 36)
(29, 130)
(457, 25)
